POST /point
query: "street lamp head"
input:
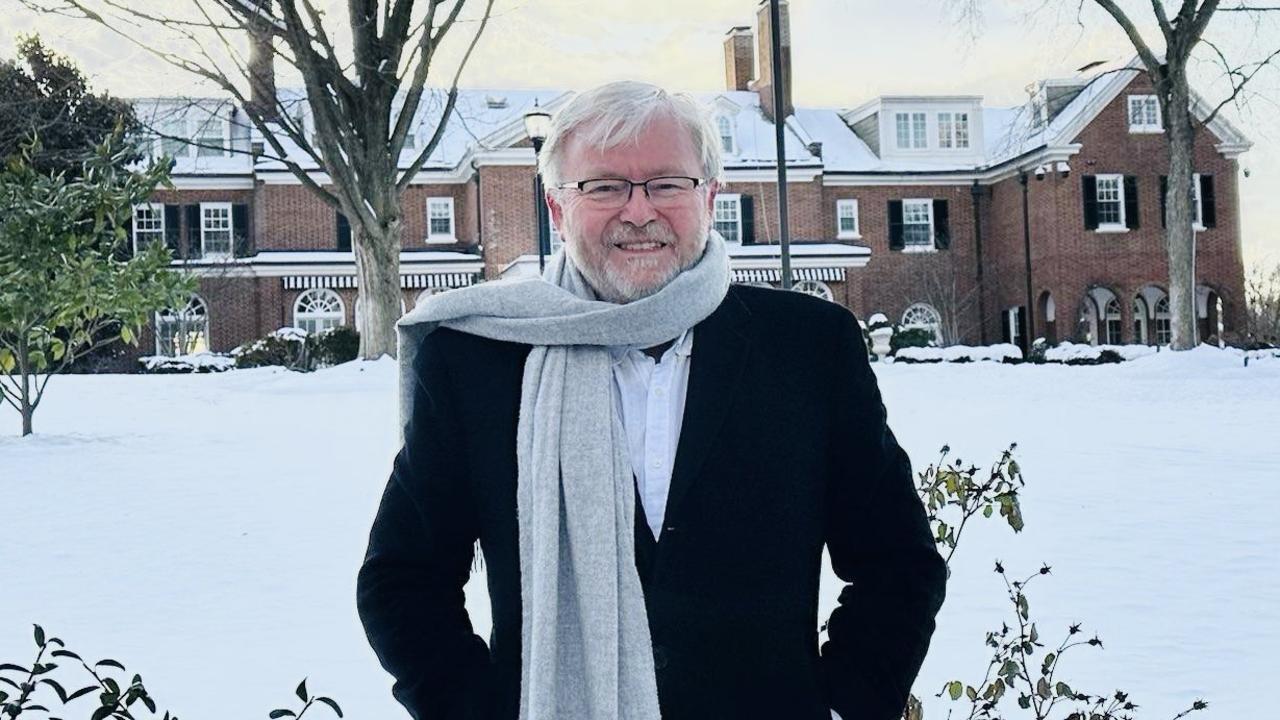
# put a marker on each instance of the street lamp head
(537, 124)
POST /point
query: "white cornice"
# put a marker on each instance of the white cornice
(986, 176)
(212, 182)
(771, 174)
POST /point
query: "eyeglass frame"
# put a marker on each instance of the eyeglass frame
(577, 185)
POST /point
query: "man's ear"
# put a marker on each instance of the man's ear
(713, 188)
(554, 207)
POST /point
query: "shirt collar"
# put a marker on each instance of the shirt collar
(683, 347)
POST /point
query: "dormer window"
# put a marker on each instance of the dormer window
(1144, 114)
(725, 129)
(911, 130)
(213, 139)
(953, 130)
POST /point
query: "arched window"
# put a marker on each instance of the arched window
(1140, 320)
(923, 316)
(1164, 328)
(1113, 322)
(318, 310)
(815, 288)
(428, 292)
(185, 331)
(725, 128)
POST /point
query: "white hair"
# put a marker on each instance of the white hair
(617, 112)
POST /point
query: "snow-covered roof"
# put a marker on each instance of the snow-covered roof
(491, 119)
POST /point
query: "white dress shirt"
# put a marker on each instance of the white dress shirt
(650, 400)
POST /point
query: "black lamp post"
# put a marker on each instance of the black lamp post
(537, 123)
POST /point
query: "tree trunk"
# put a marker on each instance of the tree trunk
(24, 398)
(1180, 237)
(378, 275)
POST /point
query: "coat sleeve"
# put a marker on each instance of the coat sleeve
(409, 590)
(880, 545)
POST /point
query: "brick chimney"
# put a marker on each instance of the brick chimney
(739, 65)
(764, 84)
(261, 65)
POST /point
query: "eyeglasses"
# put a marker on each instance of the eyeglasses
(616, 192)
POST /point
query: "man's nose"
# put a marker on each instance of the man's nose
(639, 210)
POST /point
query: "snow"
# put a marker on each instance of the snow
(1069, 352)
(961, 353)
(206, 529)
(198, 362)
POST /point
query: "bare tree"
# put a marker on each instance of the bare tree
(1182, 33)
(363, 103)
(1262, 291)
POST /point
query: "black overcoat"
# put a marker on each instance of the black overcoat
(784, 448)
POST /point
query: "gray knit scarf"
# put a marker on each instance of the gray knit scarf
(586, 646)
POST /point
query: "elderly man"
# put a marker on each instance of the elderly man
(652, 462)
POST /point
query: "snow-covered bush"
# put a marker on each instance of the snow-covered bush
(288, 347)
(204, 362)
(337, 345)
(910, 338)
(1080, 354)
(1003, 353)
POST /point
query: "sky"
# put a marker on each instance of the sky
(844, 52)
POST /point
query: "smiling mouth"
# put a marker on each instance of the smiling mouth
(642, 246)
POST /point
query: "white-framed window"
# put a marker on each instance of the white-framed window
(1197, 204)
(816, 288)
(1164, 326)
(1110, 197)
(1144, 114)
(1112, 322)
(953, 130)
(724, 127)
(185, 331)
(319, 309)
(440, 220)
(213, 137)
(148, 225)
(847, 227)
(215, 229)
(911, 130)
(173, 129)
(728, 217)
(917, 225)
(1140, 320)
(923, 316)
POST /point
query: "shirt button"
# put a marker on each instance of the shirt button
(658, 392)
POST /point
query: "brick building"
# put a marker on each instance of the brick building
(934, 210)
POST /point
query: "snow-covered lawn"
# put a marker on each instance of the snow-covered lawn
(206, 530)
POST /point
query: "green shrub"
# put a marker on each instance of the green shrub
(910, 337)
(337, 345)
(291, 348)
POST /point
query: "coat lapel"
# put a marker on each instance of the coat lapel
(720, 346)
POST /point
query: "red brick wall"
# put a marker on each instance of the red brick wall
(508, 220)
(1067, 259)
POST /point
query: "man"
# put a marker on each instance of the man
(652, 462)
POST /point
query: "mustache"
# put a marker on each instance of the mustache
(650, 231)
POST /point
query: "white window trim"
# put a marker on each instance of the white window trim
(554, 239)
(933, 240)
(341, 312)
(816, 288)
(226, 136)
(858, 220)
(910, 147)
(1141, 128)
(1123, 225)
(1198, 196)
(733, 134)
(231, 230)
(452, 237)
(736, 199)
(159, 316)
(157, 208)
(953, 137)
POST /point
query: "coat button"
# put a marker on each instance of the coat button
(659, 657)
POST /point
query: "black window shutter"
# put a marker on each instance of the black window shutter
(747, 209)
(1089, 190)
(1131, 202)
(344, 232)
(941, 225)
(192, 250)
(1164, 201)
(1024, 341)
(172, 228)
(1208, 209)
(240, 229)
(896, 241)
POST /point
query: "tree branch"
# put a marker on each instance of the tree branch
(1149, 58)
